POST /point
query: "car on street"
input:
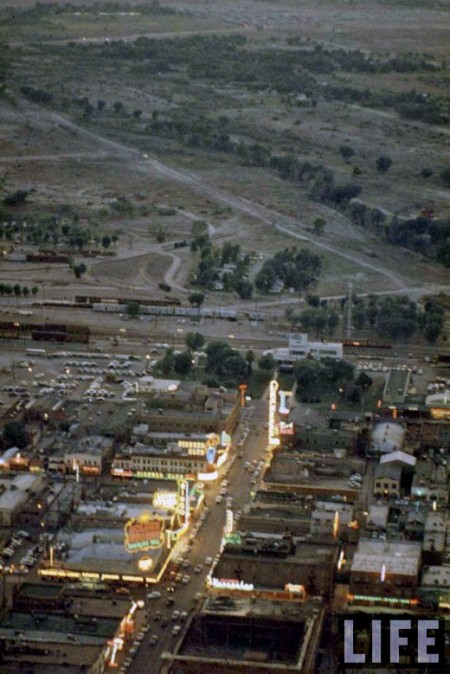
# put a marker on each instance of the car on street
(198, 568)
(154, 595)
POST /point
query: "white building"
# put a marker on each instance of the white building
(14, 494)
(300, 347)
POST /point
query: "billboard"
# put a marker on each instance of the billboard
(145, 532)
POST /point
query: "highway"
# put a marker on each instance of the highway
(147, 659)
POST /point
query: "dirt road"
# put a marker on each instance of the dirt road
(294, 228)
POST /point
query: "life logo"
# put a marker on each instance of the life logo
(379, 641)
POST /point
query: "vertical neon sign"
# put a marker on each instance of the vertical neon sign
(273, 435)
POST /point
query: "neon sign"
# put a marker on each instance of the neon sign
(229, 522)
(166, 500)
(273, 389)
(284, 396)
(231, 584)
(183, 501)
(145, 532)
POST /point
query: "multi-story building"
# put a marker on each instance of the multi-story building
(196, 457)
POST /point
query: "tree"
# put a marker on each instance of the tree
(224, 362)
(118, 107)
(106, 242)
(17, 289)
(196, 299)
(14, 434)
(445, 176)
(346, 152)
(426, 172)
(183, 363)
(160, 234)
(383, 164)
(25, 291)
(319, 226)
(17, 198)
(79, 270)
(250, 357)
(167, 362)
(194, 341)
(267, 362)
(244, 289)
(432, 330)
(133, 309)
(34, 290)
(364, 381)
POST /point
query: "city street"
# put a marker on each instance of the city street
(206, 544)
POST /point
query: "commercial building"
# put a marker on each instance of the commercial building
(261, 565)
(300, 347)
(193, 456)
(258, 636)
(16, 491)
(187, 407)
(385, 572)
(86, 456)
(313, 473)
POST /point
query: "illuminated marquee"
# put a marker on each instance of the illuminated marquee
(144, 533)
(166, 500)
(273, 436)
(231, 584)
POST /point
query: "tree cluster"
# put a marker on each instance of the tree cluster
(398, 318)
(225, 363)
(298, 269)
(17, 290)
(319, 320)
(318, 378)
(210, 267)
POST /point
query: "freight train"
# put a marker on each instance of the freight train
(364, 344)
(52, 332)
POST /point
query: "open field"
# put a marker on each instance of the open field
(160, 123)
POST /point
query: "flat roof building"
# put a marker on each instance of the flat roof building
(385, 572)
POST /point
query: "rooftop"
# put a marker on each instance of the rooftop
(400, 558)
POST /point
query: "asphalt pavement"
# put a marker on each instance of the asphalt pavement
(207, 542)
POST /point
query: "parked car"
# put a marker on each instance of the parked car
(154, 595)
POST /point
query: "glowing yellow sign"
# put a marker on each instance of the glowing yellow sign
(144, 533)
